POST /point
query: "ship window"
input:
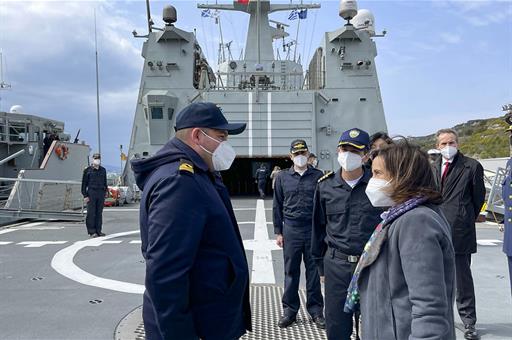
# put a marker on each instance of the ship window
(170, 113)
(157, 113)
(362, 99)
(145, 154)
(335, 99)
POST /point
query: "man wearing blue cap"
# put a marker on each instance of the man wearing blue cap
(293, 208)
(343, 220)
(197, 277)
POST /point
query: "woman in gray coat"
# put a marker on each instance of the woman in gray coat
(404, 281)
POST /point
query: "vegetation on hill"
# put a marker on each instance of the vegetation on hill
(483, 138)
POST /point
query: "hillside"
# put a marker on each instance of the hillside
(483, 138)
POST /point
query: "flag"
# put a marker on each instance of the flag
(293, 15)
(205, 13)
(123, 156)
(243, 2)
(303, 14)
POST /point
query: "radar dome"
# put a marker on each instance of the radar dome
(16, 109)
(348, 9)
(364, 20)
(169, 14)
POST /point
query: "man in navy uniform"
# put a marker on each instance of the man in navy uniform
(343, 221)
(261, 179)
(460, 179)
(293, 210)
(507, 199)
(94, 189)
(197, 277)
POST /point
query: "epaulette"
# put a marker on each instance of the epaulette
(327, 175)
(186, 166)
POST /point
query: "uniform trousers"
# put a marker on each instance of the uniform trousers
(94, 219)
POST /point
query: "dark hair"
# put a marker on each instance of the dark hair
(312, 155)
(381, 135)
(410, 171)
(452, 131)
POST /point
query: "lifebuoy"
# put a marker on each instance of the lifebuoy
(61, 150)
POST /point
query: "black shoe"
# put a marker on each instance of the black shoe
(93, 235)
(470, 332)
(319, 321)
(101, 234)
(286, 321)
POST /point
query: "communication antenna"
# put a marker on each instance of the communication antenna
(3, 84)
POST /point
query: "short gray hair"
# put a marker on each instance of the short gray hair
(452, 131)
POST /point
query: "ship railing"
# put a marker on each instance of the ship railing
(42, 199)
(495, 204)
(266, 81)
(13, 132)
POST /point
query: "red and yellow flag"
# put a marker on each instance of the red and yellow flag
(244, 2)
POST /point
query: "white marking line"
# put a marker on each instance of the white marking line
(489, 242)
(269, 123)
(248, 209)
(249, 124)
(63, 264)
(120, 209)
(262, 246)
(136, 242)
(39, 244)
(20, 227)
(106, 242)
(4, 243)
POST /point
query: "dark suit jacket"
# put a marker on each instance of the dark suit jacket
(463, 196)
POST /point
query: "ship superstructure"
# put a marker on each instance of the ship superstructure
(279, 99)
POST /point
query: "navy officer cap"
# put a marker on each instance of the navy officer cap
(298, 145)
(206, 115)
(355, 137)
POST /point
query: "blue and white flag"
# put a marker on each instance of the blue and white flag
(303, 14)
(205, 13)
(293, 15)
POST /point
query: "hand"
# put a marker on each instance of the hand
(280, 240)
(501, 227)
(322, 279)
(86, 200)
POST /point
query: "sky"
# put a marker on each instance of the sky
(441, 62)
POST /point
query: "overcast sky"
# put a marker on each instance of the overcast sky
(441, 62)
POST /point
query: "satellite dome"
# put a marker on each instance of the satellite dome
(348, 9)
(364, 20)
(16, 109)
(169, 14)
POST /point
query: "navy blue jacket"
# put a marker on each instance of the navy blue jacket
(507, 200)
(261, 174)
(343, 217)
(94, 180)
(293, 198)
(197, 277)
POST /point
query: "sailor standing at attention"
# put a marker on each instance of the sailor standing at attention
(293, 210)
(343, 220)
(197, 277)
(94, 189)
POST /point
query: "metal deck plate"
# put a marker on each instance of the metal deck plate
(266, 311)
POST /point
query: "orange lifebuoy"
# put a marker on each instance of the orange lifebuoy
(62, 151)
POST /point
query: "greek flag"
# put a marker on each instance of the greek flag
(303, 14)
(293, 15)
(205, 13)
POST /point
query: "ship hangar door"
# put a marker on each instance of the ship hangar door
(239, 179)
(160, 116)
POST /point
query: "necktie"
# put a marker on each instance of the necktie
(445, 172)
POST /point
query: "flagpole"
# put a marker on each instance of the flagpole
(258, 8)
(97, 84)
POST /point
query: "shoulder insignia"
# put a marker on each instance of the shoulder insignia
(186, 166)
(327, 175)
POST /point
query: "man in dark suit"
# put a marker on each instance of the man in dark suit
(197, 277)
(461, 182)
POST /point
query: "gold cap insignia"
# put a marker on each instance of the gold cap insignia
(353, 133)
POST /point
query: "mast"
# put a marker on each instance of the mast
(97, 84)
(3, 84)
(258, 29)
(148, 13)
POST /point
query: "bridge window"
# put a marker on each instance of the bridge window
(157, 113)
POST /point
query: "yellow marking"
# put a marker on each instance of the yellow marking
(353, 133)
(327, 175)
(186, 167)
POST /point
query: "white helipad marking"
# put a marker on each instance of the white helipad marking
(120, 209)
(489, 242)
(63, 264)
(262, 246)
(20, 227)
(136, 242)
(4, 243)
(101, 242)
(39, 244)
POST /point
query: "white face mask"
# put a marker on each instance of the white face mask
(96, 162)
(449, 152)
(300, 161)
(375, 190)
(223, 156)
(349, 161)
(314, 163)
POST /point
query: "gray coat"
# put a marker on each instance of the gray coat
(408, 292)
